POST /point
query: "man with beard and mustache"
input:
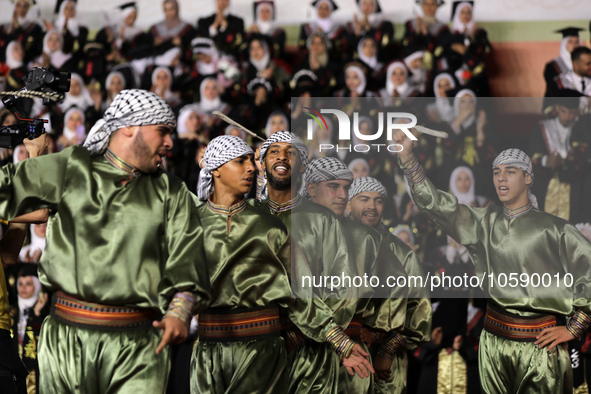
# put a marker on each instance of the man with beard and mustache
(327, 183)
(312, 366)
(125, 245)
(524, 321)
(367, 196)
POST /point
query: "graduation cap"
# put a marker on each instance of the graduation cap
(569, 31)
(58, 4)
(439, 2)
(378, 8)
(316, 3)
(456, 4)
(27, 269)
(270, 3)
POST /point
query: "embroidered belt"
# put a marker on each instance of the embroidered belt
(72, 311)
(515, 327)
(230, 325)
(354, 328)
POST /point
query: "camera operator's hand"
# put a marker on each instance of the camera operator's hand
(38, 146)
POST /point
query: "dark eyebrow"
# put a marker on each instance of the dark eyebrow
(165, 129)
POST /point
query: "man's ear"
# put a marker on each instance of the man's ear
(264, 165)
(129, 130)
(311, 187)
(215, 173)
(528, 179)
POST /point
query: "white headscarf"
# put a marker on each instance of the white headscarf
(167, 93)
(232, 127)
(472, 118)
(11, 62)
(83, 100)
(72, 134)
(206, 104)
(58, 57)
(263, 63)
(26, 303)
(373, 19)
(269, 119)
(325, 24)
(565, 54)
(370, 61)
(181, 127)
(265, 27)
(443, 104)
(73, 26)
(361, 75)
(469, 197)
(129, 32)
(211, 50)
(457, 24)
(352, 165)
(112, 75)
(390, 85)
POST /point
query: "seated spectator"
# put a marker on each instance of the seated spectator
(355, 81)
(171, 35)
(318, 61)
(359, 167)
(24, 29)
(114, 84)
(17, 69)
(563, 63)
(335, 33)
(161, 85)
(31, 253)
(462, 185)
(75, 35)
(426, 31)
(264, 26)
(235, 131)
(212, 63)
(74, 132)
(78, 96)
(367, 54)
(397, 86)
(225, 29)
(413, 59)
(53, 55)
(368, 22)
(209, 102)
(277, 121)
(189, 124)
(442, 111)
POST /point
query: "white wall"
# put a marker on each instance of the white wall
(91, 12)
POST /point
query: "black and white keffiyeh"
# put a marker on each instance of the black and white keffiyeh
(132, 107)
(289, 138)
(367, 184)
(518, 158)
(326, 169)
(220, 150)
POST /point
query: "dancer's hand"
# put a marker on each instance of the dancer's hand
(383, 367)
(174, 331)
(553, 336)
(357, 362)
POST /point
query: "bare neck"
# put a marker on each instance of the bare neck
(281, 196)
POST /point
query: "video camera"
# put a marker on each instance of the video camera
(40, 80)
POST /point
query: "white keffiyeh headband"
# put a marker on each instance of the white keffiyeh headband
(132, 107)
(367, 184)
(219, 151)
(518, 158)
(326, 169)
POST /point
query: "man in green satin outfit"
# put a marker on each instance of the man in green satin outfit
(522, 348)
(248, 254)
(313, 367)
(367, 197)
(124, 245)
(327, 183)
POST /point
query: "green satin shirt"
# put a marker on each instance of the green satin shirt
(135, 244)
(321, 239)
(249, 259)
(535, 243)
